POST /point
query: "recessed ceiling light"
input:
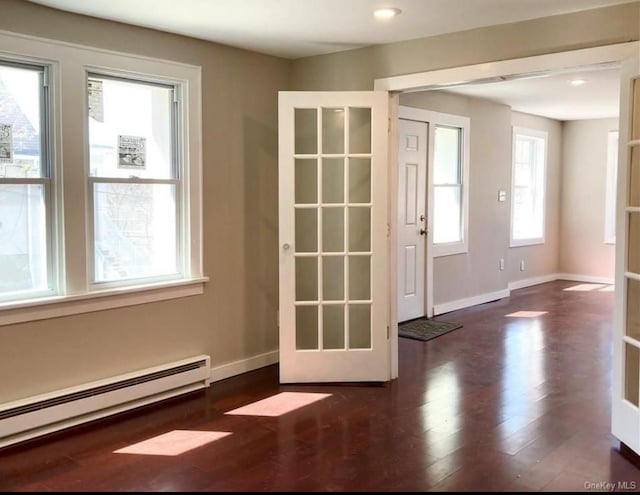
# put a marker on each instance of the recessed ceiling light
(386, 13)
(577, 82)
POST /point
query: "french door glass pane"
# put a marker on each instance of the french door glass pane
(306, 327)
(332, 130)
(633, 261)
(359, 180)
(20, 154)
(23, 238)
(359, 229)
(359, 278)
(306, 230)
(446, 224)
(130, 129)
(333, 326)
(359, 130)
(333, 180)
(359, 326)
(634, 177)
(306, 181)
(632, 374)
(333, 230)
(633, 309)
(306, 278)
(306, 131)
(134, 231)
(333, 278)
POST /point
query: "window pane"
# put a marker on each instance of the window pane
(135, 231)
(20, 91)
(528, 187)
(447, 155)
(23, 238)
(447, 217)
(130, 129)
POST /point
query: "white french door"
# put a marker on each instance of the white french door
(626, 335)
(412, 218)
(333, 237)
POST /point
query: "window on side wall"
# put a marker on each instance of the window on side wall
(528, 187)
(134, 182)
(27, 260)
(611, 185)
(450, 138)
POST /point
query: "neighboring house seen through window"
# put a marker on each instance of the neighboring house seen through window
(25, 183)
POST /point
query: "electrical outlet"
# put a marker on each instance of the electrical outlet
(522, 266)
(502, 195)
(501, 263)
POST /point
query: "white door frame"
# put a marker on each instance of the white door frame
(460, 76)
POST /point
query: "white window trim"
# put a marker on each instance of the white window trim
(464, 123)
(69, 64)
(536, 134)
(611, 186)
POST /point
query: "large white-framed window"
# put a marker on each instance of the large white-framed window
(611, 186)
(27, 241)
(528, 186)
(135, 181)
(123, 224)
(449, 170)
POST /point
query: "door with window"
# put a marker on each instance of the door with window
(333, 237)
(626, 334)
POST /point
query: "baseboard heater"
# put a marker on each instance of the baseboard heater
(35, 416)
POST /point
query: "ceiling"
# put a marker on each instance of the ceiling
(299, 28)
(552, 96)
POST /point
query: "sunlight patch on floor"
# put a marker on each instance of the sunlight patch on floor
(526, 314)
(586, 287)
(279, 404)
(174, 443)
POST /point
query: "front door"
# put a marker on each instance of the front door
(333, 237)
(412, 215)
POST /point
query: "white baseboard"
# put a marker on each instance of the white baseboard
(574, 277)
(528, 282)
(439, 309)
(243, 365)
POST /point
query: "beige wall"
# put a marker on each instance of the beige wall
(357, 69)
(583, 251)
(477, 272)
(541, 259)
(236, 316)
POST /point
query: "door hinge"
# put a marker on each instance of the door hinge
(389, 125)
(388, 230)
(387, 332)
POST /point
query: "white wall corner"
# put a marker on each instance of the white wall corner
(244, 365)
(589, 279)
(439, 309)
(528, 282)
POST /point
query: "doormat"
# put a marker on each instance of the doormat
(425, 329)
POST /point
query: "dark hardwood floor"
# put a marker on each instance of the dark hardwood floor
(504, 403)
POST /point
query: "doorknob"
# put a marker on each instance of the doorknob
(286, 246)
(423, 232)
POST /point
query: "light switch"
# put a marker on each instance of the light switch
(502, 195)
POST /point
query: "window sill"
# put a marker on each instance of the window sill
(57, 306)
(440, 250)
(525, 242)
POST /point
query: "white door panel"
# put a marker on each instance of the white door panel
(412, 225)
